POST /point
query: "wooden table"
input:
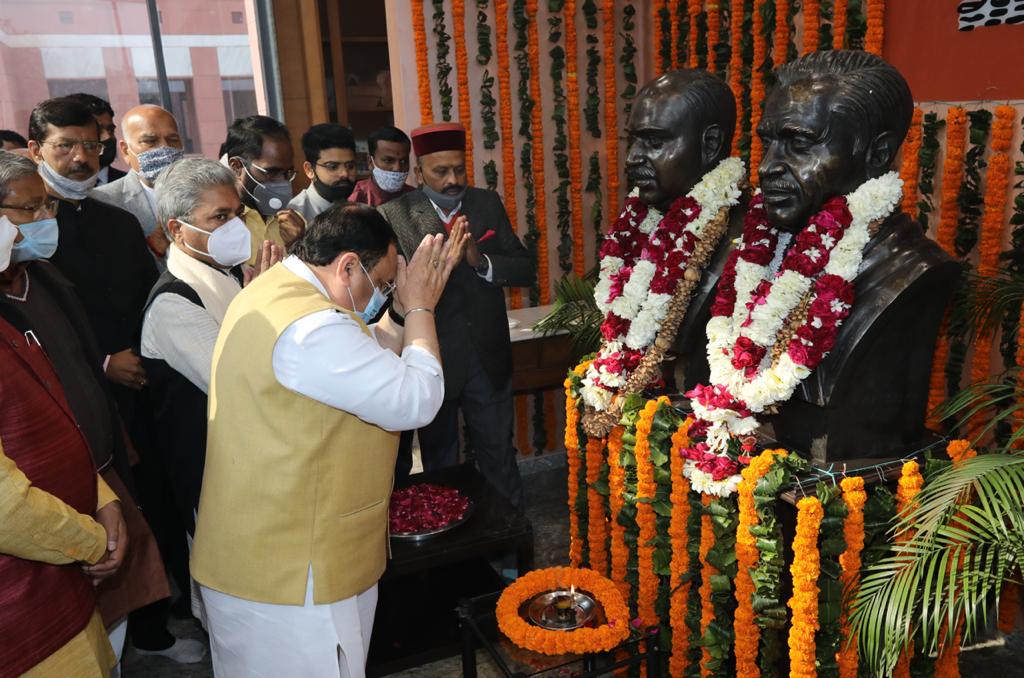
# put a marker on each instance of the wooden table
(538, 362)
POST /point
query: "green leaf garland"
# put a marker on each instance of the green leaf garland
(628, 59)
(561, 140)
(592, 105)
(663, 31)
(520, 23)
(830, 587)
(491, 175)
(487, 115)
(444, 68)
(718, 637)
(594, 188)
(483, 33)
(927, 161)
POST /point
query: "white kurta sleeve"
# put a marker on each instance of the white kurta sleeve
(183, 335)
(327, 357)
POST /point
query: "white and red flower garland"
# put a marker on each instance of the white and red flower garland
(643, 258)
(754, 309)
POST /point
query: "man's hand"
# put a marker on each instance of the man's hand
(158, 242)
(291, 226)
(420, 283)
(268, 255)
(473, 256)
(112, 520)
(125, 368)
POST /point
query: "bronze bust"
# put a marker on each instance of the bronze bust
(833, 120)
(681, 126)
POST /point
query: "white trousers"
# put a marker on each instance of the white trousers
(262, 640)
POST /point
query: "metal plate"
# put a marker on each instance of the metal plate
(540, 610)
(421, 536)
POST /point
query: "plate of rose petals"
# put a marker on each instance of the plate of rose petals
(426, 510)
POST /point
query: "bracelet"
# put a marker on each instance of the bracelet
(395, 318)
(423, 309)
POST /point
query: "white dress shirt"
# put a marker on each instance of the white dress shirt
(150, 194)
(326, 356)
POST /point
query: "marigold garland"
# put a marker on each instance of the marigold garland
(673, 17)
(714, 14)
(780, 43)
(611, 103)
(736, 65)
(747, 632)
(812, 25)
(419, 34)
(575, 151)
(597, 525)
(572, 456)
(949, 211)
(693, 10)
(462, 79)
(910, 165)
(853, 531)
(679, 566)
(804, 602)
(839, 10)
(875, 35)
(619, 551)
(581, 641)
(707, 540)
(646, 488)
(909, 486)
(757, 89)
(539, 152)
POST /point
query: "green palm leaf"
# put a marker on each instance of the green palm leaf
(575, 312)
(981, 303)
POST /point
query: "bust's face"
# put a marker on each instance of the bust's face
(664, 160)
(809, 153)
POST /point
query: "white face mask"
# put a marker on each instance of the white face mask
(8, 232)
(67, 188)
(229, 245)
(389, 182)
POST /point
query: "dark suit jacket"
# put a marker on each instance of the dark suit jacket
(471, 314)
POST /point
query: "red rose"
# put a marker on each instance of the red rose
(614, 327)
(747, 355)
(797, 352)
(837, 208)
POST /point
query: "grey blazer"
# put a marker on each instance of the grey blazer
(128, 194)
(471, 313)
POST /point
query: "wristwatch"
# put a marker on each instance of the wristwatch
(484, 266)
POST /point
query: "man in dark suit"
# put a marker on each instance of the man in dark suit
(472, 323)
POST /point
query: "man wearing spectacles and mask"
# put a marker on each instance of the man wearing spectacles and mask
(259, 151)
(330, 151)
(104, 114)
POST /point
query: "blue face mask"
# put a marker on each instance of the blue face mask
(38, 241)
(374, 305)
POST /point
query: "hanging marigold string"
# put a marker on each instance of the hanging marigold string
(419, 34)
(839, 10)
(572, 457)
(804, 602)
(949, 211)
(619, 551)
(812, 25)
(714, 13)
(907, 489)
(875, 35)
(757, 89)
(673, 17)
(462, 79)
(853, 532)
(645, 517)
(747, 632)
(597, 525)
(508, 144)
(572, 93)
(539, 152)
(910, 165)
(679, 566)
(736, 65)
(707, 540)
(693, 10)
(611, 111)
(780, 43)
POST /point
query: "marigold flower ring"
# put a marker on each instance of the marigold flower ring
(586, 640)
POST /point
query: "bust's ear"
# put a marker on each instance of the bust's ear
(881, 153)
(712, 142)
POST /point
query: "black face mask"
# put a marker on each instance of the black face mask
(330, 193)
(109, 153)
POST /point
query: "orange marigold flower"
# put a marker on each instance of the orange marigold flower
(804, 602)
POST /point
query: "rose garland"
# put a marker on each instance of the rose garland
(611, 124)
(537, 135)
(853, 533)
(626, 60)
(649, 266)
(780, 42)
(757, 91)
(767, 333)
(597, 525)
(804, 602)
(419, 34)
(910, 165)
(572, 456)
(714, 15)
(812, 25)
(693, 10)
(679, 567)
(839, 10)
(736, 66)
(580, 641)
(949, 211)
(707, 540)
(619, 551)
(876, 27)
(645, 490)
(575, 152)
(462, 79)
(443, 68)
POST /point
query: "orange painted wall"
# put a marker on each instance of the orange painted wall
(944, 64)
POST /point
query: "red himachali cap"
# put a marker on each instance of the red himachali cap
(444, 136)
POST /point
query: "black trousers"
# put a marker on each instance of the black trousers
(488, 414)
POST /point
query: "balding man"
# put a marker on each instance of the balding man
(151, 142)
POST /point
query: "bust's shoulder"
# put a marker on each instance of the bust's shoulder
(902, 250)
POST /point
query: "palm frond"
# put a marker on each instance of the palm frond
(575, 312)
(1004, 396)
(981, 303)
(968, 538)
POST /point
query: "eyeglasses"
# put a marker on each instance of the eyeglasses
(44, 210)
(271, 174)
(386, 289)
(66, 146)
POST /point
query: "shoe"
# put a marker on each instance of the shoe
(184, 651)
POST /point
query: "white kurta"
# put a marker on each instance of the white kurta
(325, 356)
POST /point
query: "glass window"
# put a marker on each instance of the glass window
(182, 107)
(239, 97)
(61, 87)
